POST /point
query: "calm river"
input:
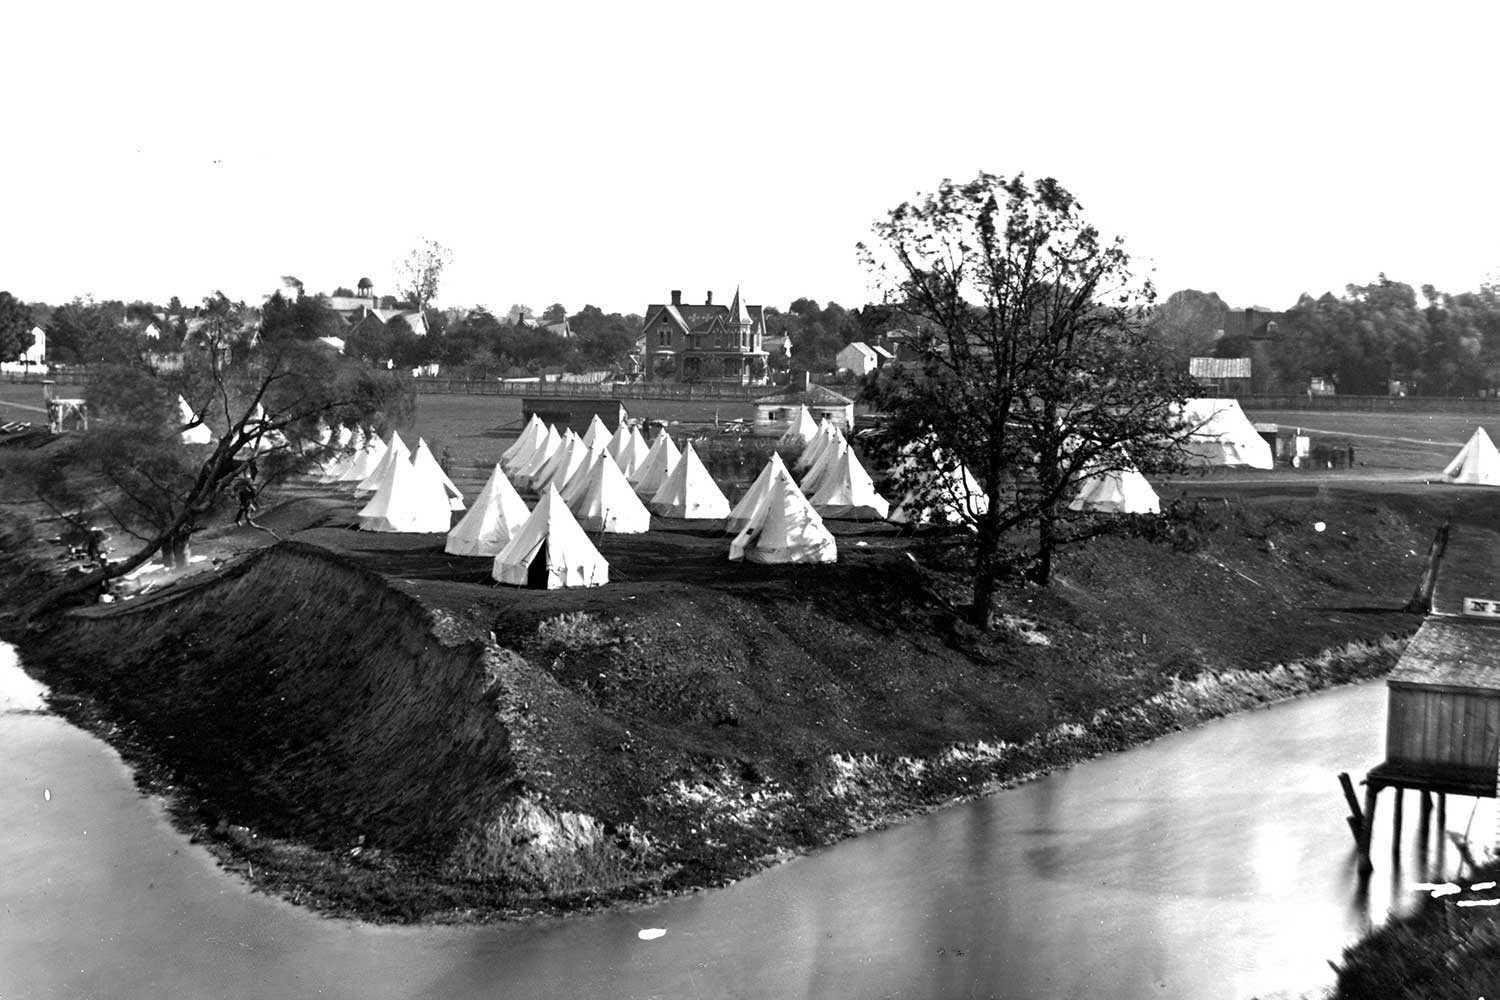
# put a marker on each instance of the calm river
(1213, 863)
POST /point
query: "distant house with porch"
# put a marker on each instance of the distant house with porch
(688, 342)
(1221, 377)
(775, 413)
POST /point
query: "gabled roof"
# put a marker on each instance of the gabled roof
(1219, 367)
(813, 395)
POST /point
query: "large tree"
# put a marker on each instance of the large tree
(265, 405)
(15, 327)
(1034, 366)
(418, 275)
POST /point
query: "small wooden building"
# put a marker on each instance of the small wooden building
(775, 413)
(575, 412)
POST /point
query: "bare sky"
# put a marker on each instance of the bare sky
(609, 152)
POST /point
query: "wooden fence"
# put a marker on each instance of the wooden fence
(591, 390)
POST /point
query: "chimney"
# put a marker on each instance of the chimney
(804, 381)
(676, 297)
(709, 299)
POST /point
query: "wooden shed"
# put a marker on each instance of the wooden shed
(1443, 720)
(775, 413)
(575, 412)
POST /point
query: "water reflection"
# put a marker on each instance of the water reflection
(1211, 863)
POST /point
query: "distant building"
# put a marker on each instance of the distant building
(860, 358)
(1221, 377)
(1252, 323)
(711, 343)
(354, 309)
(774, 413)
(1321, 385)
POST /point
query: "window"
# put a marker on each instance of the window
(664, 336)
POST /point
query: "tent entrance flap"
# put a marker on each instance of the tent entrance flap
(536, 573)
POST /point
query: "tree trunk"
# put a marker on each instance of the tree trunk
(986, 575)
(1046, 531)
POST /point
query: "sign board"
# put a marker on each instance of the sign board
(1481, 607)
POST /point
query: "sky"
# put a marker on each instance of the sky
(607, 153)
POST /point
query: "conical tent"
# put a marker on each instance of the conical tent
(784, 529)
(815, 446)
(596, 433)
(744, 511)
(497, 514)
(800, 431)
(198, 434)
(424, 462)
(848, 492)
(1221, 434)
(813, 479)
(578, 480)
(364, 461)
(661, 459)
(561, 466)
(525, 445)
(690, 492)
(951, 496)
(1118, 491)
(407, 501)
(523, 471)
(608, 503)
(396, 451)
(550, 551)
(1477, 464)
(619, 440)
(633, 455)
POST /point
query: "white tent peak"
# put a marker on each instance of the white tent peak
(607, 503)
(550, 551)
(1477, 463)
(784, 529)
(690, 492)
(497, 514)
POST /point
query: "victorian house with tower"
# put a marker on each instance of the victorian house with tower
(689, 342)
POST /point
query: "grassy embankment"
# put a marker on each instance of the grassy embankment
(378, 733)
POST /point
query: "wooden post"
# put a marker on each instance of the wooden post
(1371, 793)
(1396, 826)
(1442, 832)
(1421, 598)
(1424, 825)
(1356, 817)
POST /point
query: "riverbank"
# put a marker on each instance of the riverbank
(356, 724)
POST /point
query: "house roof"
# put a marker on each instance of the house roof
(882, 352)
(1219, 367)
(861, 347)
(693, 318)
(1452, 653)
(813, 395)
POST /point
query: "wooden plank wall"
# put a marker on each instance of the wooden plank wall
(1443, 727)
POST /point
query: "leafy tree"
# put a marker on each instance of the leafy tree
(1034, 367)
(555, 313)
(304, 318)
(418, 275)
(15, 327)
(1188, 322)
(343, 293)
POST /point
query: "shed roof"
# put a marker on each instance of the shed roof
(1452, 653)
(1219, 367)
(813, 395)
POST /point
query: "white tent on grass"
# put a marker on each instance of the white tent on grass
(608, 503)
(847, 491)
(815, 445)
(424, 463)
(396, 451)
(633, 454)
(1118, 491)
(197, 434)
(812, 479)
(784, 529)
(524, 469)
(690, 492)
(550, 551)
(578, 481)
(407, 501)
(596, 433)
(1477, 464)
(364, 460)
(744, 511)
(525, 445)
(950, 496)
(1221, 434)
(660, 460)
(800, 430)
(620, 439)
(497, 514)
(344, 453)
(561, 466)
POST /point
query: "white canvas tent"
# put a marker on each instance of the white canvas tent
(847, 491)
(396, 451)
(597, 433)
(578, 480)
(660, 460)
(363, 461)
(199, 434)
(561, 466)
(1120, 491)
(690, 492)
(525, 445)
(620, 439)
(784, 529)
(744, 511)
(497, 514)
(633, 454)
(819, 441)
(424, 463)
(607, 502)
(1223, 435)
(407, 501)
(813, 479)
(1477, 464)
(550, 551)
(526, 469)
(801, 429)
(951, 496)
